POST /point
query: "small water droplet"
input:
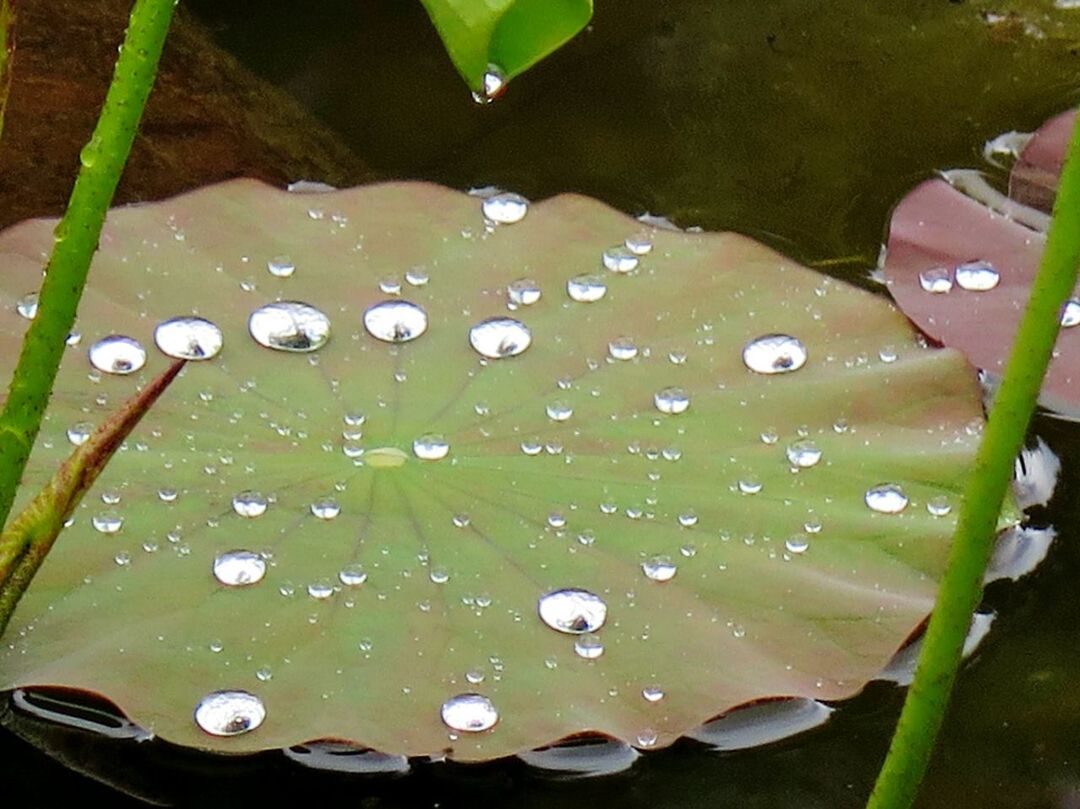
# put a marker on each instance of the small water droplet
(439, 575)
(250, 504)
(688, 519)
(188, 338)
(289, 326)
(500, 337)
(326, 508)
(803, 454)
(646, 738)
(117, 354)
(523, 292)
(469, 713)
(27, 305)
(620, 259)
(264, 674)
(659, 568)
(672, 401)
(556, 520)
(938, 506)
(622, 348)
(352, 575)
(493, 85)
(586, 288)
(977, 276)
(774, 354)
(107, 523)
(588, 646)
(79, 433)
(572, 611)
(474, 676)
(431, 447)
(239, 568)
(750, 485)
(281, 266)
(559, 410)
(797, 543)
(395, 321)
(770, 436)
(229, 713)
(639, 244)
(652, 693)
(168, 494)
(937, 280)
(887, 354)
(505, 209)
(460, 520)
(1070, 313)
(320, 590)
(886, 498)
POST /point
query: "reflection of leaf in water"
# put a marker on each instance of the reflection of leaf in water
(359, 524)
(961, 264)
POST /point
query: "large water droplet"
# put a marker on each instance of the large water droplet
(395, 321)
(27, 305)
(107, 523)
(505, 208)
(886, 498)
(586, 288)
(431, 447)
(469, 713)
(774, 354)
(803, 454)
(936, 280)
(559, 410)
(659, 568)
(229, 713)
(620, 259)
(352, 575)
(239, 568)
(289, 326)
(672, 401)
(977, 276)
(326, 508)
(249, 504)
(572, 611)
(500, 337)
(117, 354)
(188, 338)
(797, 543)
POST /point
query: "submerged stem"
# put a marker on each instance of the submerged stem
(76, 239)
(961, 587)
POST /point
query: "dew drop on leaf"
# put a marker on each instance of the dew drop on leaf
(469, 713)
(326, 508)
(672, 401)
(977, 276)
(774, 354)
(586, 288)
(523, 292)
(249, 504)
(289, 326)
(229, 713)
(622, 349)
(117, 354)
(803, 454)
(588, 646)
(79, 433)
(281, 266)
(936, 280)
(1070, 314)
(504, 209)
(500, 337)
(395, 321)
(572, 611)
(620, 259)
(659, 568)
(188, 338)
(239, 568)
(27, 305)
(431, 447)
(886, 498)
(352, 575)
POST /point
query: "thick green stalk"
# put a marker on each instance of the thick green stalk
(76, 239)
(961, 587)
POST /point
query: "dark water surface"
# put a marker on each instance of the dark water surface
(799, 122)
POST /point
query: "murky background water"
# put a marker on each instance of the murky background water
(800, 123)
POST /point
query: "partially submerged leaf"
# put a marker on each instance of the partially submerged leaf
(961, 264)
(440, 429)
(491, 41)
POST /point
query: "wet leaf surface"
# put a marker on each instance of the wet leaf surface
(737, 472)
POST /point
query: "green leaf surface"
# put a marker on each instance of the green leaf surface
(561, 472)
(492, 41)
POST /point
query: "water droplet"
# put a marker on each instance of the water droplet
(572, 611)
(469, 713)
(586, 288)
(395, 321)
(431, 447)
(886, 498)
(168, 494)
(672, 401)
(79, 433)
(505, 209)
(27, 305)
(622, 348)
(439, 575)
(390, 286)
(108, 523)
(750, 485)
(559, 410)
(326, 508)
(639, 244)
(500, 337)
(123, 558)
(688, 519)
(937, 280)
(249, 504)
(659, 568)
(229, 713)
(289, 326)
(460, 520)
(523, 292)
(797, 543)
(1070, 314)
(352, 575)
(493, 86)
(320, 590)
(588, 646)
(117, 354)
(938, 506)
(977, 276)
(474, 676)
(774, 354)
(417, 276)
(239, 568)
(556, 520)
(652, 693)
(620, 259)
(188, 338)
(770, 436)
(281, 266)
(647, 738)
(803, 454)
(264, 674)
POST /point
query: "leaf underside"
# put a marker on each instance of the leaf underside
(743, 618)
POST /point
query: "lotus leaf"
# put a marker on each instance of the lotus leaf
(469, 476)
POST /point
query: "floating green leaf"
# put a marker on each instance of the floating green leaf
(491, 41)
(433, 431)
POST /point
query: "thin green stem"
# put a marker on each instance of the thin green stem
(76, 239)
(961, 587)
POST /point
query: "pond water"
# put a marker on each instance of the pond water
(801, 124)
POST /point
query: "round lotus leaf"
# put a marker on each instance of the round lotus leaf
(445, 485)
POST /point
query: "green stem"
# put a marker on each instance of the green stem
(961, 587)
(76, 239)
